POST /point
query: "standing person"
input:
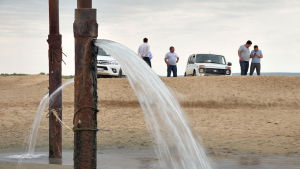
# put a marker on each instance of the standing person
(171, 59)
(244, 55)
(256, 55)
(144, 50)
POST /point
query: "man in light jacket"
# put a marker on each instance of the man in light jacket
(144, 50)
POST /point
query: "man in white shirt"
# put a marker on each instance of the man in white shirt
(171, 59)
(144, 50)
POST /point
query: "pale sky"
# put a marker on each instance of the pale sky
(191, 26)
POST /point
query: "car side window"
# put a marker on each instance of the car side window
(224, 61)
(188, 62)
(194, 58)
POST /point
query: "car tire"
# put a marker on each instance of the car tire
(194, 73)
(184, 74)
(120, 74)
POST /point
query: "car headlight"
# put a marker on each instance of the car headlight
(113, 62)
(201, 70)
(228, 72)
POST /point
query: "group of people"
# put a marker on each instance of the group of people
(171, 57)
(245, 55)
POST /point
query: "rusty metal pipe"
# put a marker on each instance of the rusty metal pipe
(53, 16)
(85, 100)
(84, 4)
(55, 58)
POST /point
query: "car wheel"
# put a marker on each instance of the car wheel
(194, 73)
(120, 74)
(184, 74)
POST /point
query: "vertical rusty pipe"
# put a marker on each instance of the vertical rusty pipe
(84, 4)
(85, 100)
(55, 58)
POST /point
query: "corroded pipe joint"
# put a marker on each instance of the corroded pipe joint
(85, 24)
(54, 40)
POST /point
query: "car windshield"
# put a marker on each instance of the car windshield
(101, 52)
(209, 58)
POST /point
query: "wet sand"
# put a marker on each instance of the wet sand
(34, 166)
(134, 158)
(236, 115)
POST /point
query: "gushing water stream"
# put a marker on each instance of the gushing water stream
(36, 124)
(176, 145)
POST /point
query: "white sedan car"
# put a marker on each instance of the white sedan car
(107, 66)
(207, 65)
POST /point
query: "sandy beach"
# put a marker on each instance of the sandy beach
(236, 115)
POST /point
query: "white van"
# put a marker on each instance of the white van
(207, 65)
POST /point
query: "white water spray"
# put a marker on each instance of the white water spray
(176, 146)
(36, 124)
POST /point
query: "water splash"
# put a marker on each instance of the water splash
(36, 124)
(176, 146)
(26, 156)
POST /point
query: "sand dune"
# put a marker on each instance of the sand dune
(248, 115)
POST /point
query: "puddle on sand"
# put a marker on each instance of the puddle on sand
(146, 159)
